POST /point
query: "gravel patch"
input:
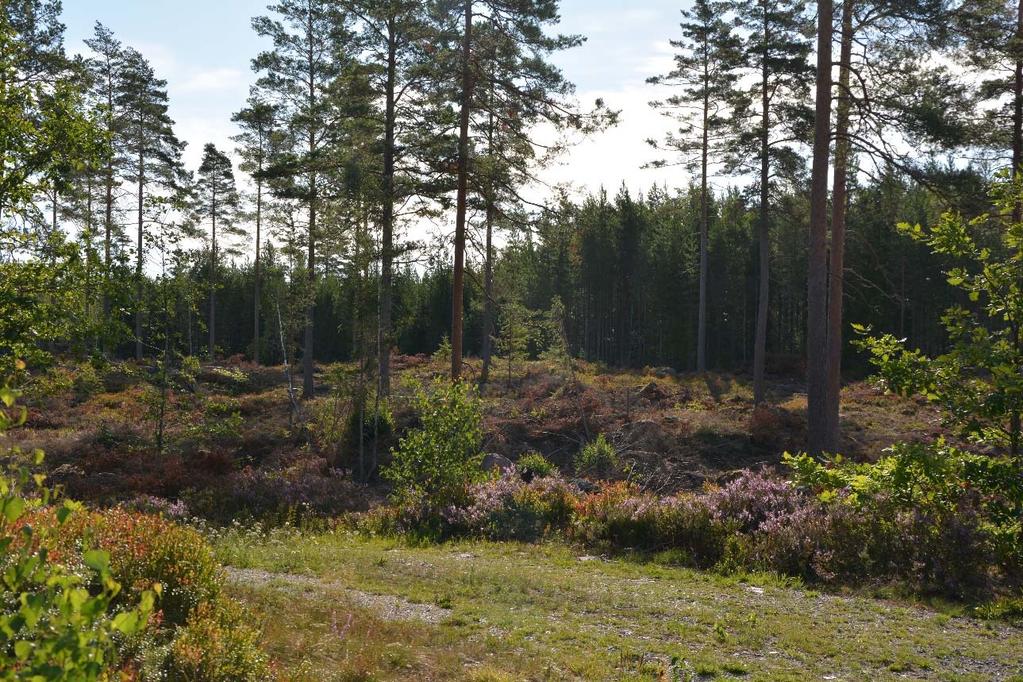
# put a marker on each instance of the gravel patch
(385, 606)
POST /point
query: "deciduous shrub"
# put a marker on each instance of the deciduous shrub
(948, 520)
(217, 644)
(145, 549)
(534, 465)
(434, 464)
(597, 458)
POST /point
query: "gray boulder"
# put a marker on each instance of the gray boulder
(495, 462)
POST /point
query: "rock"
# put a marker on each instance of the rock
(495, 462)
(664, 372)
(117, 380)
(652, 392)
(66, 472)
(584, 486)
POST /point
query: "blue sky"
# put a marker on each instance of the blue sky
(203, 48)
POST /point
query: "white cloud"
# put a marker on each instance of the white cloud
(617, 155)
(213, 80)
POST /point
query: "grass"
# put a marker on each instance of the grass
(541, 612)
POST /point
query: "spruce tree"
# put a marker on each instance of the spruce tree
(704, 76)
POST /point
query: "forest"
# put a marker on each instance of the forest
(363, 393)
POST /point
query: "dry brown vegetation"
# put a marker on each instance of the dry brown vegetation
(229, 428)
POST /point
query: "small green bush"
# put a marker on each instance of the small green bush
(597, 458)
(222, 422)
(434, 464)
(534, 465)
(146, 549)
(217, 644)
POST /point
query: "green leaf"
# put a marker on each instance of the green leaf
(22, 650)
(14, 507)
(127, 622)
(97, 560)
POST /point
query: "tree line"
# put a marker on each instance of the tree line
(805, 132)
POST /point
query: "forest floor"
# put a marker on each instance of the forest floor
(339, 607)
(672, 431)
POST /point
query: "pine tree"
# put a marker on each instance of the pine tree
(705, 74)
(152, 155)
(257, 122)
(817, 273)
(105, 66)
(311, 48)
(397, 38)
(217, 201)
(533, 88)
(767, 125)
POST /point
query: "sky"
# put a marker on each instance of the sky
(203, 49)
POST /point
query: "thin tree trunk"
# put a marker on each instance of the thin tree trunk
(213, 277)
(108, 228)
(308, 389)
(108, 220)
(817, 270)
(387, 223)
(839, 204)
(1017, 209)
(701, 324)
(488, 264)
(256, 269)
(763, 227)
(458, 273)
(138, 260)
(89, 236)
(488, 295)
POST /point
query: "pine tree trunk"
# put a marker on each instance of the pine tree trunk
(138, 263)
(387, 223)
(308, 388)
(256, 270)
(108, 220)
(817, 270)
(488, 265)
(458, 273)
(839, 205)
(763, 229)
(1017, 210)
(701, 324)
(108, 228)
(213, 277)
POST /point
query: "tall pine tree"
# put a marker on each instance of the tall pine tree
(704, 77)
(312, 43)
(216, 201)
(769, 122)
